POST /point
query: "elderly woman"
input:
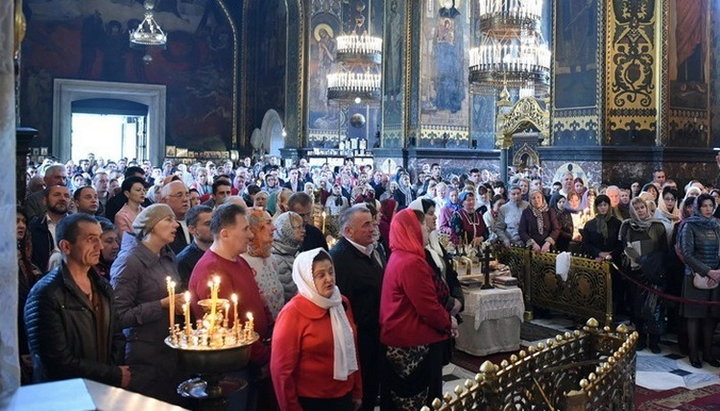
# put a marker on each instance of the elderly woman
(278, 202)
(645, 249)
(261, 199)
(258, 257)
(652, 189)
(539, 228)
(138, 277)
(134, 189)
(287, 239)
(699, 240)
(314, 365)
(468, 226)
(414, 325)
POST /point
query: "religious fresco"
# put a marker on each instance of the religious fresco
(715, 80)
(393, 73)
(329, 19)
(575, 52)
(89, 40)
(444, 62)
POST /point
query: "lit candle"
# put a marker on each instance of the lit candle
(234, 299)
(324, 214)
(212, 299)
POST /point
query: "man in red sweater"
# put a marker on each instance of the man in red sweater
(231, 235)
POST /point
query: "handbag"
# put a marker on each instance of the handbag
(701, 282)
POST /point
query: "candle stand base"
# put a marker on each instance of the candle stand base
(209, 392)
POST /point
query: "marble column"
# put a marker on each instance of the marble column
(9, 368)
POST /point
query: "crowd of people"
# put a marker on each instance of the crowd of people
(97, 241)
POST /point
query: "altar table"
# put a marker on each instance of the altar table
(491, 321)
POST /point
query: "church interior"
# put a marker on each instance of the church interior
(360, 204)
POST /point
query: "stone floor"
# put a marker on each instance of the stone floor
(667, 370)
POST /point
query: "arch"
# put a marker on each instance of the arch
(295, 73)
(528, 111)
(271, 132)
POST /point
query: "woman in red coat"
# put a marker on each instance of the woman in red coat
(314, 362)
(413, 323)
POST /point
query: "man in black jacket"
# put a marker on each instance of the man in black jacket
(302, 204)
(42, 228)
(70, 313)
(359, 273)
(176, 195)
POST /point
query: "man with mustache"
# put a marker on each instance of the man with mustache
(42, 228)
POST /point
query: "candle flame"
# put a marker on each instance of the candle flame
(249, 316)
(187, 297)
(216, 280)
(234, 298)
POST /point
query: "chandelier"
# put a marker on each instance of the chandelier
(359, 49)
(351, 86)
(148, 32)
(512, 51)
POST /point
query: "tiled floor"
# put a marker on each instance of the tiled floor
(663, 371)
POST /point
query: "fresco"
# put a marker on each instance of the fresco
(444, 64)
(575, 53)
(393, 63)
(89, 40)
(688, 68)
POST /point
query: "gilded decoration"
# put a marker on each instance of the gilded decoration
(587, 292)
(632, 68)
(528, 111)
(592, 369)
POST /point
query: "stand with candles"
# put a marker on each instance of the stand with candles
(212, 347)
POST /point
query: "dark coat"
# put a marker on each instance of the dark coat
(180, 242)
(138, 277)
(528, 228)
(61, 330)
(42, 242)
(186, 261)
(566, 230)
(314, 238)
(359, 278)
(593, 242)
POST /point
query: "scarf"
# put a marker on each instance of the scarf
(436, 252)
(638, 224)
(602, 223)
(538, 212)
(284, 235)
(673, 216)
(344, 350)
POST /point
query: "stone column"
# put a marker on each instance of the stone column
(9, 367)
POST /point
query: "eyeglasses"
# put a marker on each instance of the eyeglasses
(180, 195)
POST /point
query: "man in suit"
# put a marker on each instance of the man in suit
(176, 195)
(359, 271)
(42, 228)
(294, 182)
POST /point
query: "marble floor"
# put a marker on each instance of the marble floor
(667, 370)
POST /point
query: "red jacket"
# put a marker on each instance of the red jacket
(235, 277)
(410, 313)
(302, 362)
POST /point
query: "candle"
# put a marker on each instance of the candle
(324, 214)
(249, 326)
(234, 299)
(226, 315)
(186, 311)
(171, 294)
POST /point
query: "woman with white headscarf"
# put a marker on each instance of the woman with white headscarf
(314, 363)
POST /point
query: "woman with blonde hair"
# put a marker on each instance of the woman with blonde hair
(258, 256)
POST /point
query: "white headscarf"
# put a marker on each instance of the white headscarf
(345, 357)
